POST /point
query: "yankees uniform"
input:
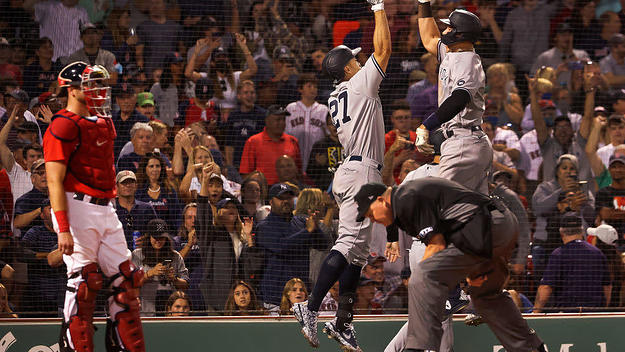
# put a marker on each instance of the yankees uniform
(466, 155)
(84, 145)
(356, 111)
(307, 124)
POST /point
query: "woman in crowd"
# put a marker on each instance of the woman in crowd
(190, 184)
(163, 267)
(500, 89)
(43, 72)
(550, 201)
(186, 243)
(242, 300)
(294, 292)
(226, 245)
(251, 200)
(178, 304)
(120, 38)
(168, 88)
(155, 188)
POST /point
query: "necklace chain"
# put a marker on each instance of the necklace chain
(155, 190)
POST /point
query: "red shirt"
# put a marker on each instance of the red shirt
(195, 113)
(6, 204)
(261, 152)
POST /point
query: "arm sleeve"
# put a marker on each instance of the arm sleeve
(392, 233)
(551, 274)
(454, 104)
(544, 201)
(368, 79)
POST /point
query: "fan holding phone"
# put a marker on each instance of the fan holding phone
(164, 268)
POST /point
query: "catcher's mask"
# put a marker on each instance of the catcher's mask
(91, 81)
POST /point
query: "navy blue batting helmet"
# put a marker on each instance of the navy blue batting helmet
(465, 27)
(336, 59)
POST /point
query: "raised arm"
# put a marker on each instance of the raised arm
(249, 59)
(428, 30)
(381, 34)
(596, 164)
(542, 132)
(6, 156)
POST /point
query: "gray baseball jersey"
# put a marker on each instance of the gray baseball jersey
(356, 111)
(462, 70)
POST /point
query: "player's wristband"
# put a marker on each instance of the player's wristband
(425, 10)
(61, 220)
(377, 7)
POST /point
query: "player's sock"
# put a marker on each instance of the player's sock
(331, 270)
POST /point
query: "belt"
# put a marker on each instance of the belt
(449, 133)
(93, 200)
(359, 158)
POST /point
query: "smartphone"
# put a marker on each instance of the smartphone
(582, 183)
(132, 31)
(167, 262)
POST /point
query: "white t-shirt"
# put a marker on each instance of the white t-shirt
(508, 138)
(531, 157)
(605, 153)
(230, 92)
(20, 181)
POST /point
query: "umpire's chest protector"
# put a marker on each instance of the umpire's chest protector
(92, 161)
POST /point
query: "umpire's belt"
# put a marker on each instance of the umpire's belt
(366, 161)
(93, 200)
(461, 131)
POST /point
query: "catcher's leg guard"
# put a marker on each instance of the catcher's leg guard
(123, 330)
(345, 311)
(77, 328)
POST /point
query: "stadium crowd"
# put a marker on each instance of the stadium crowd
(225, 151)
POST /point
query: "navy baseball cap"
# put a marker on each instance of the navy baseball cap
(224, 202)
(158, 228)
(367, 194)
(280, 189)
(571, 220)
(364, 281)
(277, 110)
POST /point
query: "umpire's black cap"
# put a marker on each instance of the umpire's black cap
(366, 196)
(336, 59)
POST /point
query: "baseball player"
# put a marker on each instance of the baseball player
(356, 111)
(467, 235)
(466, 155)
(78, 151)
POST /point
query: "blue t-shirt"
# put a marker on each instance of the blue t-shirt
(241, 126)
(28, 202)
(134, 220)
(577, 272)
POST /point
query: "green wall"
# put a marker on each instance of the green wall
(562, 334)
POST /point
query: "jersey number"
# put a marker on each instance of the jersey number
(334, 109)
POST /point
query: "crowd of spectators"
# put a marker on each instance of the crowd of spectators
(225, 148)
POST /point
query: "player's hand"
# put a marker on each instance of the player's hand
(392, 251)
(421, 142)
(66, 243)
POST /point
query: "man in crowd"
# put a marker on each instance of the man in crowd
(126, 117)
(28, 206)
(141, 138)
(577, 274)
(91, 53)
(287, 241)
(306, 121)
(145, 105)
(616, 132)
(385, 285)
(613, 65)
(326, 155)
(397, 151)
(133, 214)
(262, 150)
(423, 95)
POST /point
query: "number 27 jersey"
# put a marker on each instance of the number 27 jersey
(356, 111)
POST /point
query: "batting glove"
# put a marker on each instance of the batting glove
(422, 142)
(376, 5)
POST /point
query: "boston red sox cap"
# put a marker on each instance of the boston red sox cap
(366, 196)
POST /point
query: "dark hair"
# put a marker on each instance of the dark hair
(152, 256)
(400, 104)
(142, 177)
(305, 78)
(254, 308)
(34, 146)
(248, 23)
(167, 77)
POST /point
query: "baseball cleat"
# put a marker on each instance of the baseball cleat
(308, 321)
(473, 320)
(453, 306)
(345, 338)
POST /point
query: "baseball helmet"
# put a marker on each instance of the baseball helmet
(336, 59)
(91, 79)
(465, 27)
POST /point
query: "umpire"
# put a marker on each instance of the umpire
(468, 236)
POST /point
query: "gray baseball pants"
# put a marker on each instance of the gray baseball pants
(434, 277)
(467, 158)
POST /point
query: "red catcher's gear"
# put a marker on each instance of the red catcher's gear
(127, 332)
(80, 325)
(85, 145)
